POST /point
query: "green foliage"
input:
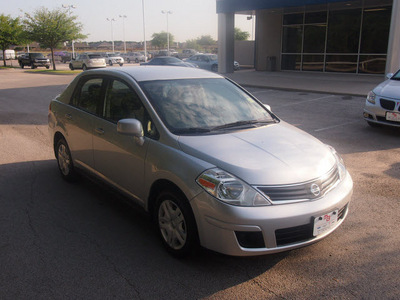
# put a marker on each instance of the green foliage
(206, 40)
(241, 35)
(160, 40)
(52, 28)
(10, 33)
(192, 44)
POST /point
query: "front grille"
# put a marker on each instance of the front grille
(300, 233)
(387, 104)
(294, 234)
(302, 191)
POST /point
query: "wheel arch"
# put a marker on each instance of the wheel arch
(157, 187)
(57, 136)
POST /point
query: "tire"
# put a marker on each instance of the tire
(128, 60)
(136, 61)
(47, 67)
(214, 68)
(33, 67)
(175, 223)
(121, 65)
(71, 67)
(110, 63)
(22, 65)
(84, 68)
(64, 161)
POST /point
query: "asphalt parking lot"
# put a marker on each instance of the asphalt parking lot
(63, 241)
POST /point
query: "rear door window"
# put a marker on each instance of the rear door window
(89, 96)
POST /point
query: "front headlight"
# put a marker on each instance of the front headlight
(371, 97)
(230, 189)
(340, 163)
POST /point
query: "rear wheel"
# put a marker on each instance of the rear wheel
(64, 160)
(22, 65)
(71, 67)
(175, 223)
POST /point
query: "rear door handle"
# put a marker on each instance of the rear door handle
(99, 131)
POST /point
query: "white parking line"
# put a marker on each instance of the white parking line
(334, 126)
(309, 100)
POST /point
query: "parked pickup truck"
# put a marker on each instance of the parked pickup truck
(33, 60)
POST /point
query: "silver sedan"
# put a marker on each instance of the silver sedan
(382, 106)
(213, 165)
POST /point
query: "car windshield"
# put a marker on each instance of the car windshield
(201, 106)
(396, 76)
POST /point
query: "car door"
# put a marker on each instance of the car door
(78, 119)
(117, 157)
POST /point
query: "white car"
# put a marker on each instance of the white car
(134, 57)
(113, 58)
(382, 106)
(87, 61)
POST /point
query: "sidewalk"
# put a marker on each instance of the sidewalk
(332, 83)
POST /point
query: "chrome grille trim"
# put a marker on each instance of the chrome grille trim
(299, 192)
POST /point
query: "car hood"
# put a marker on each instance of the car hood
(389, 88)
(274, 154)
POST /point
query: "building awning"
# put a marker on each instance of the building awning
(226, 6)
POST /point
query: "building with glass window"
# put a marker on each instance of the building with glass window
(356, 36)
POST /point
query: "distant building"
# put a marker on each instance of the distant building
(353, 36)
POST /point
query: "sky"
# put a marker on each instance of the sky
(189, 19)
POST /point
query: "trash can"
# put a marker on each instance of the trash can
(271, 63)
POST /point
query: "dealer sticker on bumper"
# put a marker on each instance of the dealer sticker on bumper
(324, 223)
(393, 116)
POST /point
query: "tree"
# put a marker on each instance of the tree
(160, 40)
(192, 44)
(206, 40)
(11, 33)
(241, 35)
(52, 28)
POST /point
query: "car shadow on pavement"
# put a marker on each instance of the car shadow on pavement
(79, 238)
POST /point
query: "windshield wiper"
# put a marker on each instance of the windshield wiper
(242, 123)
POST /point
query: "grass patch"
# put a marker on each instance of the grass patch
(54, 72)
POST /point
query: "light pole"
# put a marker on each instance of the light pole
(112, 33)
(68, 7)
(123, 29)
(167, 13)
(144, 34)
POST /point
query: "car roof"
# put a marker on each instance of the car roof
(149, 73)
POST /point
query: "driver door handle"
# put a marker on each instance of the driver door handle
(99, 131)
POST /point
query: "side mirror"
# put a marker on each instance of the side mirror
(267, 107)
(133, 128)
(389, 75)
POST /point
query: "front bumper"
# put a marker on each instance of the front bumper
(375, 113)
(245, 231)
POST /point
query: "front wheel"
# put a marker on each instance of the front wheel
(64, 160)
(71, 67)
(84, 68)
(22, 65)
(175, 223)
(47, 67)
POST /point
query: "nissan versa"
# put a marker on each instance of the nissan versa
(212, 164)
